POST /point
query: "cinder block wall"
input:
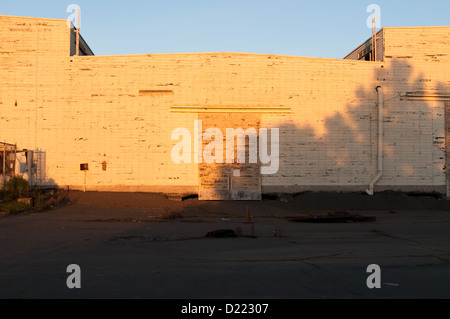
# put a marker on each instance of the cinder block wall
(33, 66)
(417, 60)
(114, 112)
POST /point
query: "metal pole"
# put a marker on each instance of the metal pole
(375, 39)
(373, 44)
(78, 33)
(30, 155)
(4, 164)
(15, 157)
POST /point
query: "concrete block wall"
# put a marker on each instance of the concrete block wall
(116, 112)
(33, 62)
(330, 102)
(417, 61)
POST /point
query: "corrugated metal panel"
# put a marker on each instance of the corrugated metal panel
(84, 47)
(364, 49)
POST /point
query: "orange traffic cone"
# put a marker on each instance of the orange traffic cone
(248, 218)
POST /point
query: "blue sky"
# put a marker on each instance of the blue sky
(325, 28)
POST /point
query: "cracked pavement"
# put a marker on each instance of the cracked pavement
(123, 252)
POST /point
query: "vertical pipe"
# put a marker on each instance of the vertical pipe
(370, 190)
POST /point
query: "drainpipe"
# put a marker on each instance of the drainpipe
(369, 191)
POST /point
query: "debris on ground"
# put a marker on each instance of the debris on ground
(333, 217)
(222, 233)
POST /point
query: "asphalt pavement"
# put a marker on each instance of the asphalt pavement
(128, 252)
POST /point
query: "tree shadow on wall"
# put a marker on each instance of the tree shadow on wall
(343, 156)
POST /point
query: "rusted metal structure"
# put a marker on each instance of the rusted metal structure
(8, 161)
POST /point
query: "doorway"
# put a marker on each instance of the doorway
(236, 180)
